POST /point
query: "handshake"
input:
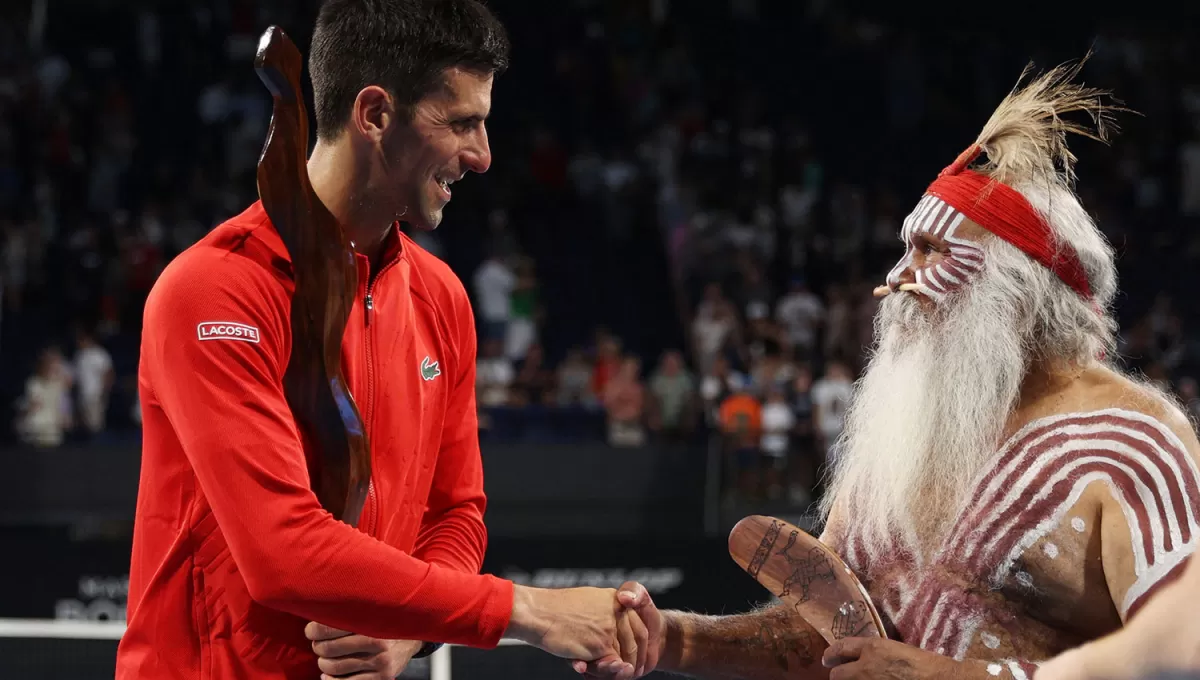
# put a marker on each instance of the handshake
(606, 633)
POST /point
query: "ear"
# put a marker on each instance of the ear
(373, 113)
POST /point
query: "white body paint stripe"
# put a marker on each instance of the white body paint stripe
(1156, 469)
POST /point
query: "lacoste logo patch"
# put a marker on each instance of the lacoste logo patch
(226, 330)
(429, 369)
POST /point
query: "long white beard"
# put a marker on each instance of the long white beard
(930, 411)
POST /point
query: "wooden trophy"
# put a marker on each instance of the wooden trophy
(326, 280)
(805, 574)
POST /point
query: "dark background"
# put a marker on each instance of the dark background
(111, 169)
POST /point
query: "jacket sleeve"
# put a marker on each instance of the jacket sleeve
(452, 530)
(225, 401)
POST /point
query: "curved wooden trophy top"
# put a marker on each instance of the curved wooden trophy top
(804, 573)
(326, 280)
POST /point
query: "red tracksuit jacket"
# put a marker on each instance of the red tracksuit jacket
(232, 554)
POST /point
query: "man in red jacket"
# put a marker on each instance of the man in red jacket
(233, 556)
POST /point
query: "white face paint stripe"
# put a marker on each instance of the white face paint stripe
(929, 206)
(938, 218)
(913, 217)
(958, 271)
(966, 254)
(941, 230)
(935, 281)
(932, 217)
(949, 233)
(944, 272)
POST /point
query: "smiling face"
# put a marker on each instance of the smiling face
(446, 138)
(943, 251)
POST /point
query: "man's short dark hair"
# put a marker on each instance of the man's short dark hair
(403, 46)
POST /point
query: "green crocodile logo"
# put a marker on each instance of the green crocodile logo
(429, 369)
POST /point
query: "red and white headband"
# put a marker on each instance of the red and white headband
(1004, 212)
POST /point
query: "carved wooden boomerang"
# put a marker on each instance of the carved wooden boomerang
(326, 279)
(806, 575)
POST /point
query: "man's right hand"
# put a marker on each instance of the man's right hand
(575, 623)
(644, 623)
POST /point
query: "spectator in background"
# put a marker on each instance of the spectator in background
(494, 284)
(608, 362)
(575, 381)
(524, 312)
(778, 422)
(741, 425)
(756, 291)
(534, 383)
(802, 468)
(839, 330)
(1166, 328)
(768, 370)
(864, 322)
(14, 255)
(763, 338)
(714, 325)
(624, 399)
(493, 374)
(800, 313)
(94, 378)
(1189, 395)
(831, 397)
(672, 398)
(44, 413)
(718, 383)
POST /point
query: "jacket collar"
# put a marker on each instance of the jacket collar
(256, 214)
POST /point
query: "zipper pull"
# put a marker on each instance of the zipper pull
(370, 305)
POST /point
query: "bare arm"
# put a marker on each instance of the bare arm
(768, 644)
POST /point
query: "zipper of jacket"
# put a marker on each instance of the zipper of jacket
(372, 520)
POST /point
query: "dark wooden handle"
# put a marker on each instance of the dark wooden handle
(807, 575)
(326, 279)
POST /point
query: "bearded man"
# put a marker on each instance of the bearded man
(1004, 493)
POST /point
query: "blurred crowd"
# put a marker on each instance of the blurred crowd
(689, 207)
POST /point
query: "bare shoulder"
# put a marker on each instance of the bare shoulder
(1129, 430)
(1140, 397)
